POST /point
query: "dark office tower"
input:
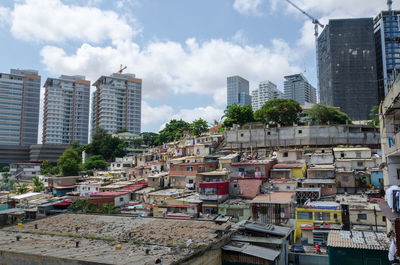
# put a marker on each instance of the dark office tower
(347, 66)
(19, 107)
(387, 43)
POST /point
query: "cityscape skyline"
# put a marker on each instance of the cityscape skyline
(170, 89)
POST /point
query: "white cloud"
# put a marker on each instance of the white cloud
(5, 15)
(208, 113)
(248, 7)
(170, 67)
(51, 20)
(155, 114)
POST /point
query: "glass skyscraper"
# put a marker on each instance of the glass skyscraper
(238, 91)
(19, 107)
(297, 87)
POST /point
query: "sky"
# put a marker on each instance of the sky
(182, 49)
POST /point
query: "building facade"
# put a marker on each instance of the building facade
(117, 103)
(347, 66)
(387, 45)
(266, 91)
(297, 87)
(238, 91)
(66, 110)
(19, 107)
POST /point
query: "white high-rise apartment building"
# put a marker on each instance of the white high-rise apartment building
(66, 110)
(117, 103)
(266, 91)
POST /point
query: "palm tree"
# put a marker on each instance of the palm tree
(38, 184)
(22, 189)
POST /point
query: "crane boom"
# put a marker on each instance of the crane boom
(314, 20)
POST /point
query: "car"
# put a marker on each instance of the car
(297, 249)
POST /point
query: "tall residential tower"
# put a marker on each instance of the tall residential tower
(238, 91)
(19, 107)
(117, 103)
(266, 91)
(66, 110)
(347, 66)
(297, 87)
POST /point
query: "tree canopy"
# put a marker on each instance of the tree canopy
(374, 114)
(198, 127)
(38, 184)
(95, 162)
(321, 114)
(285, 112)
(69, 163)
(105, 145)
(173, 131)
(150, 138)
(236, 114)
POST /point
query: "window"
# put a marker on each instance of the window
(288, 187)
(121, 199)
(300, 131)
(234, 212)
(311, 186)
(286, 154)
(383, 219)
(190, 169)
(345, 178)
(268, 133)
(335, 215)
(304, 215)
(330, 186)
(358, 154)
(360, 163)
(201, 169)
(241, 135)
(323, 216)
(341, 155)
(190, 181)
(362, 216)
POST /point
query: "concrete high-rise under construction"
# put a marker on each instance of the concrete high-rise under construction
(117, 102)
(347, 66)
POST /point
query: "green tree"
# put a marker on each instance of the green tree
(7, 184)
(95, 162)
(45, 167)
(22, 189)
(107, 146)
(173, 131)
(279, 111)
(236, 114)
(79, 206)
(150, 138)
(69, 163)
(198, 127)
(321, 114)
(374, 114)
(99, 133)
(5, 169)
(38, 184)
(109, 209)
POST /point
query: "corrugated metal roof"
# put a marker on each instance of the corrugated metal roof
(257, 239)
(358, 240)
(256, 251)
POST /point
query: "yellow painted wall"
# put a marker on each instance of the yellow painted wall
(299, 222)
(299, 173)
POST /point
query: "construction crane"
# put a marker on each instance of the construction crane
(313, 20)
(316, 25)
(121, 69)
